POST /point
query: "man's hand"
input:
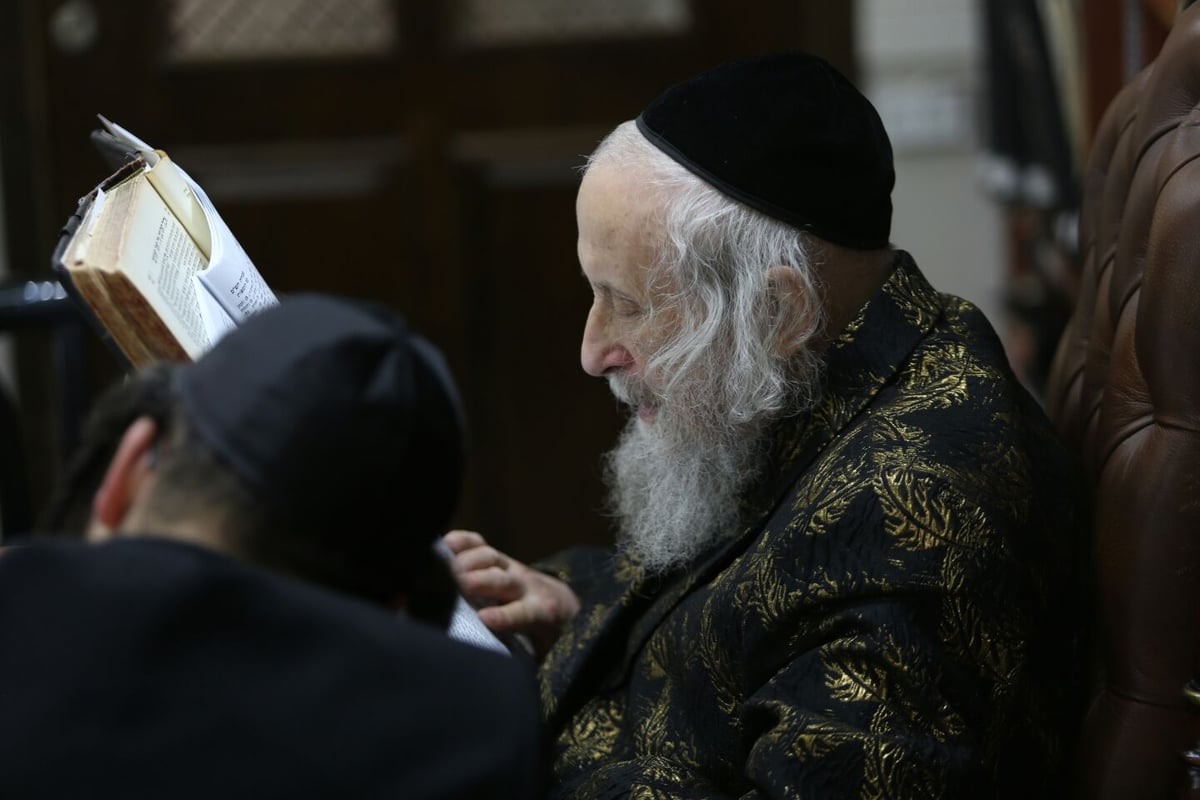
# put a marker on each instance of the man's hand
(511, 597)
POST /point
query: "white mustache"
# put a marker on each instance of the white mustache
(631, 391)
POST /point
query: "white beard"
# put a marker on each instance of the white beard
(675, 491)
(676, 483)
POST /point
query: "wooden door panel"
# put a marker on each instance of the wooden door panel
(432, 173)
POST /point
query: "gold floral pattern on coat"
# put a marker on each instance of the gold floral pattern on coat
(897, 619)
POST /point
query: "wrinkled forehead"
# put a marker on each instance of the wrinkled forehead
(618, 201)
(620, 229)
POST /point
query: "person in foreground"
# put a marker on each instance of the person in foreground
(846, 561)
(229, 631)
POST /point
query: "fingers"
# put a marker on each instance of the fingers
(459, 541)
(492, 585)
(514, 598)
(518, 617)
(483, 573)
(480, 558)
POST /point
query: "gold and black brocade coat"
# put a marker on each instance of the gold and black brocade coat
(896, 620)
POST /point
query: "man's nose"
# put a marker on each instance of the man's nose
(601, 352)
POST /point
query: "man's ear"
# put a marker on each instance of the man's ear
(127, 476)
(792, 310)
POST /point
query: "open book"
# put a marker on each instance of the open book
(150, 257)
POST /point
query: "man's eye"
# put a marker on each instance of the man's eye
(627, 308)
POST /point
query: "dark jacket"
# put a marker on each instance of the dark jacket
(896, 619)
(147, 668)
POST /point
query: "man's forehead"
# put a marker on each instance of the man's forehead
(610, 193)
(618, 237)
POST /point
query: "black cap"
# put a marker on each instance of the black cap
(788, 135)
(333, 412)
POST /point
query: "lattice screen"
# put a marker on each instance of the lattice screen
(222, 30)
(227, 30)
(502, 22)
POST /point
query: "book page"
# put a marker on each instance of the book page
(231, 278)
(174, 260)
(216, 322)
(159, 258)
(173, 187)
(93, 213)
(465, 625)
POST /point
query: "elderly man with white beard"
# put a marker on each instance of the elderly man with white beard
(846, 560)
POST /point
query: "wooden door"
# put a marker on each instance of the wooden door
(422, 154)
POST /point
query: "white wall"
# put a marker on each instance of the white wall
(921, 64)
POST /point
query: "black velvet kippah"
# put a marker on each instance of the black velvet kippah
(332, 412)
(788, 135)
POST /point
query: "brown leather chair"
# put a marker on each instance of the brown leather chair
(1125, 390)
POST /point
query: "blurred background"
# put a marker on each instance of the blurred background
(423, 153)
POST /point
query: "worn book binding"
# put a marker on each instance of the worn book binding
(147, 254)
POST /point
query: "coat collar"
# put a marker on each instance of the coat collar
(623, 615)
